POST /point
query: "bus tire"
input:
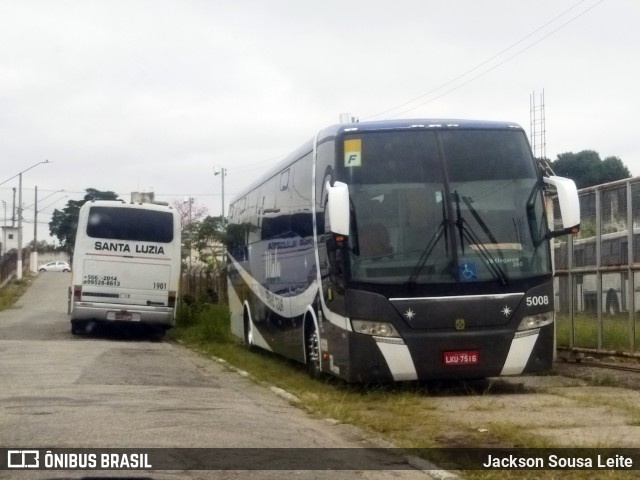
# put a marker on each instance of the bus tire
(158, 333)
(612, 304)
(312, 346)
(248, 330)
(76, 328)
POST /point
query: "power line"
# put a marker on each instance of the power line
(251, 166)
(572, 19)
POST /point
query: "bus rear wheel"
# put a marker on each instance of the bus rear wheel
(313, 352)
(158, 333)
(77, 327)
(248, 331)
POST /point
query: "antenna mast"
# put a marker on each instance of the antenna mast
(537, 129)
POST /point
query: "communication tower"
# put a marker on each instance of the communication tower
(537, 129)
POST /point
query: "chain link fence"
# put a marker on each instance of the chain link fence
(597, 272)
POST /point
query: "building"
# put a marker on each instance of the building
(9, 239)
(142, 197)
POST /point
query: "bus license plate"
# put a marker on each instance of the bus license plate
(124, 316)
(467, 357)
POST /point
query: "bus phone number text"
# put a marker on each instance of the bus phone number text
(102, 280)
(113, 281)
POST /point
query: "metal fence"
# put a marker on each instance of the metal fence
(597, 282)
(9, 265)
(200, 284)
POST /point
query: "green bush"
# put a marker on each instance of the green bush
(10, 293)
(203, 322)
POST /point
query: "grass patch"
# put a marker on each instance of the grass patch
(10, 293)
(202, 323)
(615, 331)
(408, 415)
(628, 406)
(603, 380)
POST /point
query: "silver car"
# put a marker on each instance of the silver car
(57, 266)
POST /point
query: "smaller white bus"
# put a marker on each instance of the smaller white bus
(126, 265)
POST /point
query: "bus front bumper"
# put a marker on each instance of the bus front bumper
(443, 355)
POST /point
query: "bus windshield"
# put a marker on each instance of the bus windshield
(444, 206)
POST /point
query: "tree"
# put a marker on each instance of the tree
(587, 169)
(64, 222)
(209, 240)
(44, 246)
(189, 213)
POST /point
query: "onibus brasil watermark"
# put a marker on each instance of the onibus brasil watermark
(49, 460)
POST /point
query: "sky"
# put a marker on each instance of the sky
(153, 95)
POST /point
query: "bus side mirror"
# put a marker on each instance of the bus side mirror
(568, 202)
(338, 207)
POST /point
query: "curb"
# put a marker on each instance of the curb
(420, 464)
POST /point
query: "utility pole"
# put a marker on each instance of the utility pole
(222, 172)
(4, 232)
(34, 257)
(189, 225)
(19, 266)
(13, 209)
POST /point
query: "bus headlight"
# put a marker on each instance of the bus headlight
(377, 329)
(536, 321)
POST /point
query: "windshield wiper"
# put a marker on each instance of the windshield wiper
(476, 216)
(466, 232)
(428, 249)
(427, 252)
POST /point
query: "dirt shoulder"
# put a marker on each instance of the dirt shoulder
(579, 406)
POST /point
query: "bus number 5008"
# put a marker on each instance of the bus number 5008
(539, 300)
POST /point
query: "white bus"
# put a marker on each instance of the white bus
(126, 265)
(401, 250)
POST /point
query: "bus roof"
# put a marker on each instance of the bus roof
(123, 204)
(420, 123)
(376, 126)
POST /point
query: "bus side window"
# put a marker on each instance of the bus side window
(284, 180)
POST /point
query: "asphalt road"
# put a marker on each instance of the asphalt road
(109, 390)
